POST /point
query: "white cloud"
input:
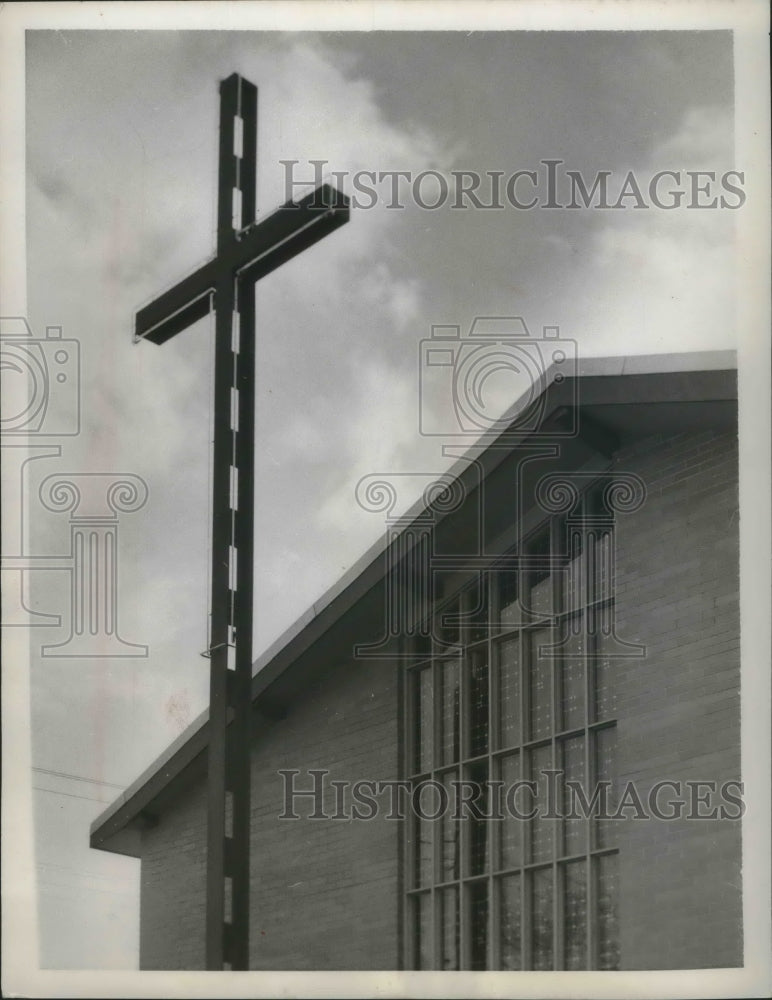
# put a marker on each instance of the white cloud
(663, 281)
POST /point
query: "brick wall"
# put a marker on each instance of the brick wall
(325, 892)
(172, 887)
(679, 714)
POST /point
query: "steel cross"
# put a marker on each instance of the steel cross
(246, 251)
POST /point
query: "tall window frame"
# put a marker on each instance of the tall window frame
(505, 893)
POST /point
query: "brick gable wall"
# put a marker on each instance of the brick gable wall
(327, 892)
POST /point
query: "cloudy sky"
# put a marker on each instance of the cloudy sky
(121, 198)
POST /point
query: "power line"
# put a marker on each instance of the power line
(76, 777)
(69, 795)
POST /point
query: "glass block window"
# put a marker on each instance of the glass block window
(450, 853)
(477, 822)
(450, 680)
(607, 877)
(540, 683)
(539, 578)
(478, 702)
(509, 693)
(510, 838)
(510, 611)
(542, 944)
(479, 919)
(510, 911)
(451, 928)
(423, 698)
(422, 930)
(517, 686)
(574, 899)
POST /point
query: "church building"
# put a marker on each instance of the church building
(509, 737)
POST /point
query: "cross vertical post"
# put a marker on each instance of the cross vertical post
(230, 677)
(246, 251)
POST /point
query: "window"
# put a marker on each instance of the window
(516, 687)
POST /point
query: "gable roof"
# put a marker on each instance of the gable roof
(609, 386)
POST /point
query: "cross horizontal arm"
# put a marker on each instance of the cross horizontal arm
(179, 308)
(254, 252)
(264, 246)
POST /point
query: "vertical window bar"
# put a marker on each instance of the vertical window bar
(436, 826)
(436, 938)
(557, 596)
(402, 904)
(435, 949)
(523, 708)
(463, 833)
(493, 922)
(413, 914)
(591, 648)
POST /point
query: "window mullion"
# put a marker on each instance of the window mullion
(590, 653)
(463, 832)
(409, 957)
(436, 825)
(525, 696)
(556, 597)
(494, 828)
